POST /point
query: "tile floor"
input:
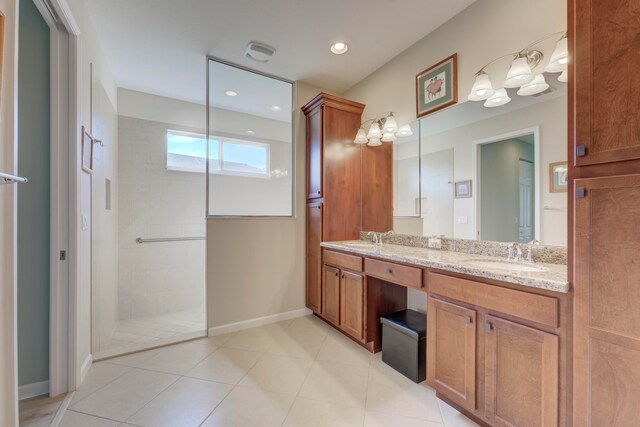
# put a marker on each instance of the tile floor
(295, 373)
(134, 334)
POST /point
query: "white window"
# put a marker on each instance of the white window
(187, 152)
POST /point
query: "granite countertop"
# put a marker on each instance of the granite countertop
(553, 278)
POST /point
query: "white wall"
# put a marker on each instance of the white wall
(485, 30)
(89, 52)
(157, 278)
(104, 235)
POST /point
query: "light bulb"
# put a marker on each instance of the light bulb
(390, 124)
(559, 57)
(339, 48)
(538, 85)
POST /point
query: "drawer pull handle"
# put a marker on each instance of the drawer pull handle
(488, 327)
(468, 320)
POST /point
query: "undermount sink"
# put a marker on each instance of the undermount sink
(507, 265)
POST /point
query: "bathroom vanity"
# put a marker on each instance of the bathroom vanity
(497, 331)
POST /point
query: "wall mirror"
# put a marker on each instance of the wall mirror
(495, 174)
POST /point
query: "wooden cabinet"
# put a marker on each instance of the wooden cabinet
(521, 375)
(352, 304)
(607, 302)
(606, 82)
(451, 351)
(314, 257)
(331, 294)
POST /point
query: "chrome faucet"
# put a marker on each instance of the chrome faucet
(375, 238)
(381, 235)
(514, 252)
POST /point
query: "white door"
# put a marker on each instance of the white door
(437, 193)
(525, 205)
(8, 226)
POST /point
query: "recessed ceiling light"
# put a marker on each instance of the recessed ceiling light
(250, 132)
(231, 93)
(339, 48)
(275, 108)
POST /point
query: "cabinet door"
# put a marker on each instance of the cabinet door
(451, 351)
(314, 153)
(352, 304)
(607, 82)
(331, 294)
(521, 375)
(314, 256)
(607, 302)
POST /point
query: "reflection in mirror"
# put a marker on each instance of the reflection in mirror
(250, 158)
(501, 156)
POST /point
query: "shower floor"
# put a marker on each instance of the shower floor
(145, 332)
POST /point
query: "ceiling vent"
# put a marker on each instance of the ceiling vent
(259, 52)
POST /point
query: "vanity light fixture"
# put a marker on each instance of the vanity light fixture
(382, 129)
(564, 76)
(520, 73)
(339, 48)
(538, 85)
(231, 93)
(499, 97)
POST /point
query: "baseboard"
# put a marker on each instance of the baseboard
(61, 410)
(84, 369)
(259, 321)
(32, 390)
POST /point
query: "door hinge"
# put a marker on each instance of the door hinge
(63, 255)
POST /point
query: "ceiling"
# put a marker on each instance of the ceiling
(159, 46)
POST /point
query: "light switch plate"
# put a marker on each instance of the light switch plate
(463, 220)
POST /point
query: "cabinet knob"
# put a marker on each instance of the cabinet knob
(468, 320)
(343, 276)
(390, 271)
(336, 274)
(318, 206)
(488, 327)
(318, 192)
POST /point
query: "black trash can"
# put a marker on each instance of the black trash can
(404, 343)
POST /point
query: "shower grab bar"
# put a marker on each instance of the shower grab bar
(168, 239)
(5, 178)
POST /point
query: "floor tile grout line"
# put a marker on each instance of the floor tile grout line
(129, 368)
(93, 415)
(153, 398)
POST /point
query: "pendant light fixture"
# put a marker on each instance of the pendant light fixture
(382, 129)
(520, 74)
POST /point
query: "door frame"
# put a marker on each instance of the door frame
(65, 124)
(475, 174)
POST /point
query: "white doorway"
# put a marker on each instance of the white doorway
(437, 187)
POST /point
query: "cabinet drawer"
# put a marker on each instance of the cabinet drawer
(396, 273)
(536, 308)
(349, 262)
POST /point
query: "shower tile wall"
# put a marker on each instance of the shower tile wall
(157, 278)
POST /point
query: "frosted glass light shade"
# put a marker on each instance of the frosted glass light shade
(374, 131)
(519, 74)
(389, 137)
(361, 137)
(405, 130)
(564, 76)
(538, 85)
(482, 88)
(500, 97)
(559, 57)
(374, 142)
(390, 124)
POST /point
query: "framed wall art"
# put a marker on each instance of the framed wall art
(437, 86)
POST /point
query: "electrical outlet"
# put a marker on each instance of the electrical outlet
(435, 243)
(463, 220)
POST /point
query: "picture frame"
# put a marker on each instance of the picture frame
(558, 178)
(437, 86)
(463, 189)
(87, 151)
